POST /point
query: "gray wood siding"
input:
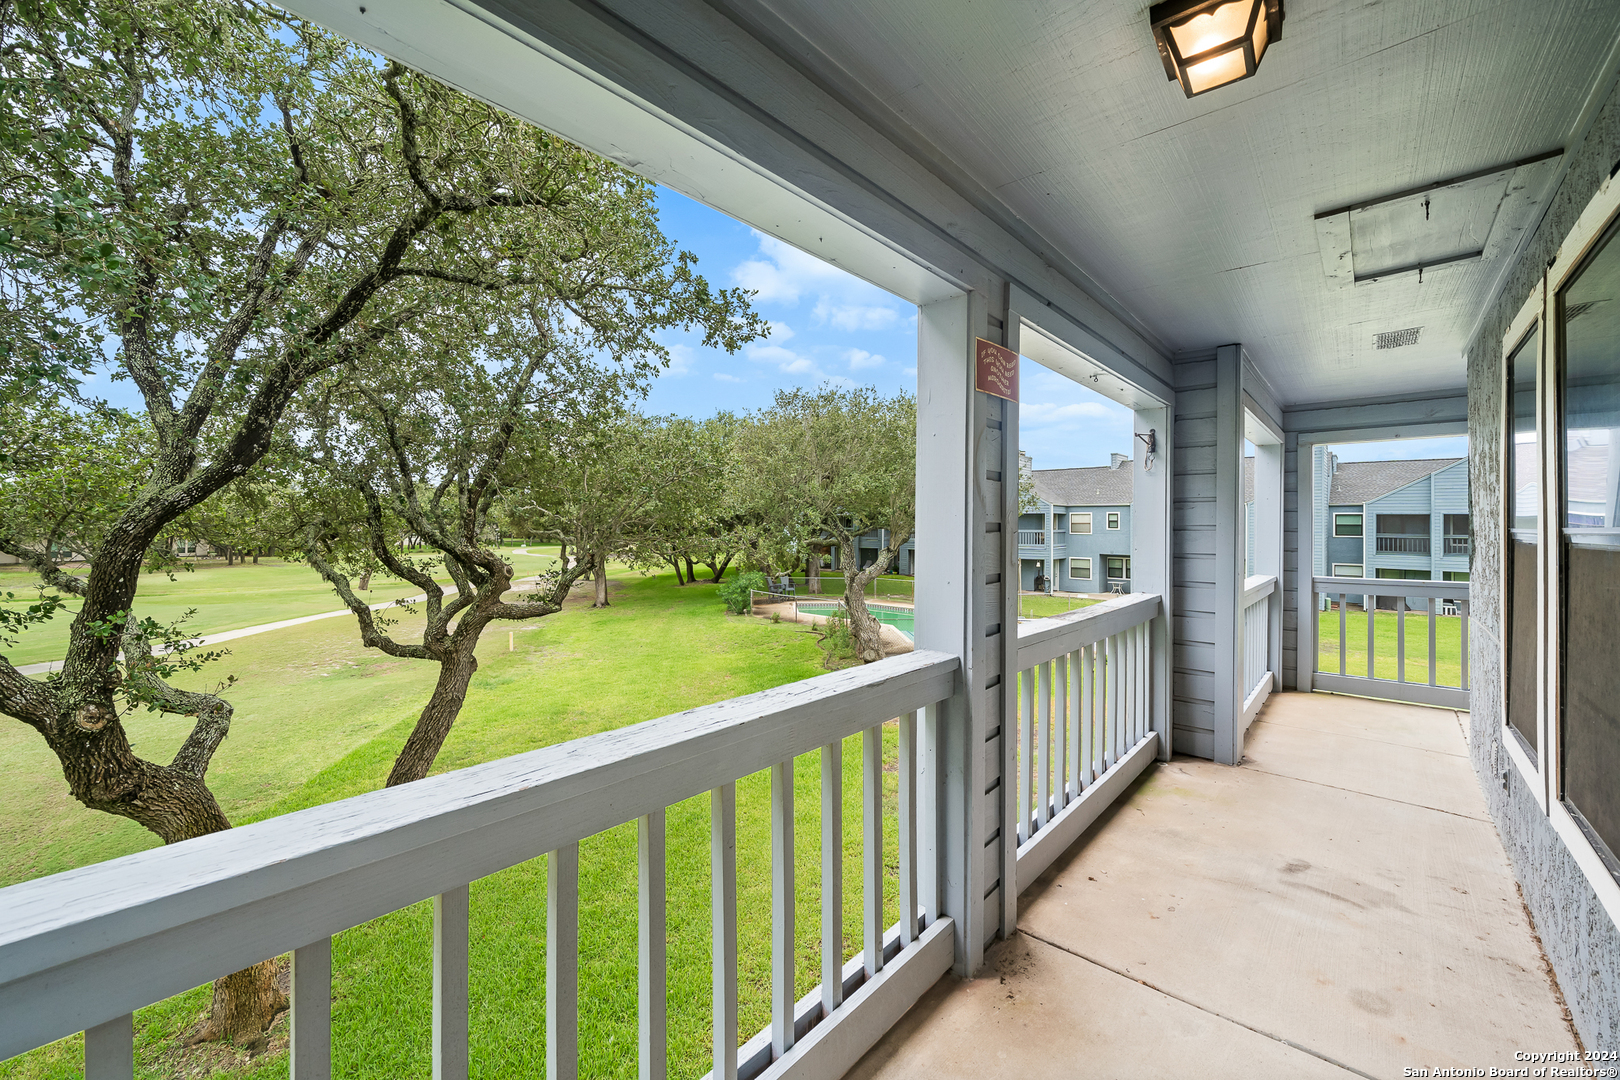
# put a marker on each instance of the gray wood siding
(1194, 552)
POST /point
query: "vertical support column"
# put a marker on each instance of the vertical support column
(783, 954)
(964, 591)
(997, 470)
(451, 915)
(723, 879)
(310, 1056)
(1227, 649)
(109, 1050)
(1268, 545)
(562, 963)
(653, 1034)
(1151, 559)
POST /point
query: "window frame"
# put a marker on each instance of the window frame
(1060, 523)
(1360, 569)
(1111, 521)
(1546, 782)
(1361, 523)
(1087, 522)
(1079, 559)
(1531, 317)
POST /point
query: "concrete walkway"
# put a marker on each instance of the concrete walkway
(1339, 905)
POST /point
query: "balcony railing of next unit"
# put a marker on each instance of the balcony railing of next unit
(1084, 721)
(1455, 545)
(1259, 668)
(1403, 545)
(1369, 651)
(1031, 538)
(82, 950)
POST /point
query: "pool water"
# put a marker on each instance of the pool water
(903, 619)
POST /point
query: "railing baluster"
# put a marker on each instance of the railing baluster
(1113, 686)
(1072, 720)
(1060, 731)
(562, 963)
(1139, 697)
(782, 908)
(1088, 715)
(1026, 749)
(1462, 610)
(653, 968)
(1434, 617)
(1043, 744)
(908, 828)
(1342, 601)
(310, 1055)
(109, 1050)
(1372, 608)
(723, 887)
(832, 877)
(928, 815)
(452, 911)
(872, 848)
(1400, 639)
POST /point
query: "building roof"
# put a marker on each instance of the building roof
(1356, 482)
(1097, 486)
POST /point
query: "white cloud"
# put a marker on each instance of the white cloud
(1042, 413)
(860, 358)
(680, 359)
(780, 332)
(723, 377)
(855, 316)
(911, 371)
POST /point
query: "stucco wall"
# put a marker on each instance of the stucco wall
(1581, 941)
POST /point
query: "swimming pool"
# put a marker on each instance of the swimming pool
(903, 619)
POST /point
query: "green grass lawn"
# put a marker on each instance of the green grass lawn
(1447, 645)
(225, 598)
(1037, 606)
(319, 718)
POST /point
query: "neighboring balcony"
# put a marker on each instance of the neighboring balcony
(1031, 538)
(1403, 545)
(1456, 545)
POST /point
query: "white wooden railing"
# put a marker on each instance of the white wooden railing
(1031, 538)
(1445, 599)
(1259, 673)
(1085, 722)
(81, 950)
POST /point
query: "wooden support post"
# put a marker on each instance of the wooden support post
(723, 885)
(872, 848)
(832, 877)
(451, 915)
(310, 1056)
(109, 1050)
(652, 968)
(562, 963)
(783, 954)
(908, 828)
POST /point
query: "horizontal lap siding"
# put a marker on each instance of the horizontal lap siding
(1193, 537)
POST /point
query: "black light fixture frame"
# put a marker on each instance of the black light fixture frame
(1175, 65)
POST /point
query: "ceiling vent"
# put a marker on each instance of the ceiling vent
(1394, 339)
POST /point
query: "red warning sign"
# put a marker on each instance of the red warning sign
(995, 370)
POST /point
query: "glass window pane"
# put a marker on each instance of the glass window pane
(1522, 587)
(1589, 476)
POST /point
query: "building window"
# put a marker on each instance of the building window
(1113, 521)
(1080, 523)
(1346, 524)
(1522, 591)
(1080, 569)
(185, 547)
(1587, 546)
(1119, 567)
(1454, 575)
(1058, 522)
(1403, 575)
(1347, 569)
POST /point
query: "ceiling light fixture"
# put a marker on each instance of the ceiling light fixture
(1209, 43)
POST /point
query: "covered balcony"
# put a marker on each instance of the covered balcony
(1230, 824)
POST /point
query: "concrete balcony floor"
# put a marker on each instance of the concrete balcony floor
(1338, 905)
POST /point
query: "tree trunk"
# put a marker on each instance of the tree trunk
(863, 625)
(256, 552)
(812, 572)
(433, 726)
(691, 571)
(364, 584)
(601, 583)
(719, 571)
(562, 555)
(675, 561)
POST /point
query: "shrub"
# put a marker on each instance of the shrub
(735, 592)
(838, 642)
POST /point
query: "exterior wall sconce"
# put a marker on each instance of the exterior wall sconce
(1209, 43)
